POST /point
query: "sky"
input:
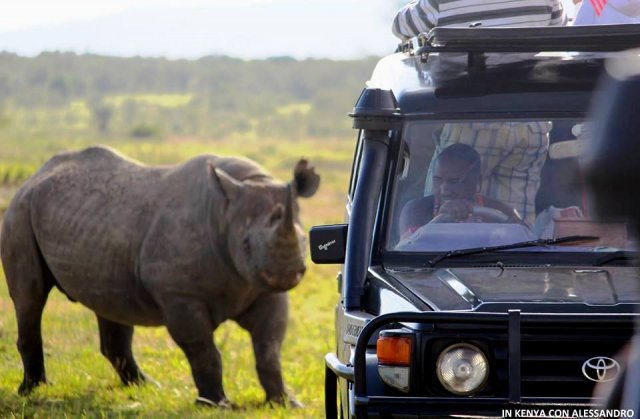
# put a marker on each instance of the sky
(24, 14)
(195, 28)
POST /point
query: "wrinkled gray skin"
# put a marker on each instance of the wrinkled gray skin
(185, 246)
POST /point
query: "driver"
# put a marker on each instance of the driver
(457, 178)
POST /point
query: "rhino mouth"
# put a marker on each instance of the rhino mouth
(283, 281)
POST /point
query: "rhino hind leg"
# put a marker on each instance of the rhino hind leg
(30, 343)
(29, 281)
(115, 345)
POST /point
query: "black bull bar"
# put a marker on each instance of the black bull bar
(512, 321)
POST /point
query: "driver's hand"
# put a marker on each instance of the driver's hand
(457, 209)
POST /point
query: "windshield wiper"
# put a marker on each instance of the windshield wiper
(518, 245)
(618, 255)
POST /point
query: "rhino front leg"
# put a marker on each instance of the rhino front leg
(266, 321)
(115, 345)
(190, 326)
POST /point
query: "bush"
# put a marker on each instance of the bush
(144, 131)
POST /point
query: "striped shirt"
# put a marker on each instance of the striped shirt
(423, 15)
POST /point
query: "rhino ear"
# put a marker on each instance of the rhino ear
(230, 186)
(305, 179)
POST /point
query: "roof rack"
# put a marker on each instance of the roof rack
(476, 41)
(593, 38)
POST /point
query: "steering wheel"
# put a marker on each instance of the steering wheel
(488, 215)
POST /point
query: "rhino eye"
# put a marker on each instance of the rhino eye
(246, 245)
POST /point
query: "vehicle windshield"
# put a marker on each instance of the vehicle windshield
(475, 184)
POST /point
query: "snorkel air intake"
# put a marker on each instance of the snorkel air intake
(376, 113)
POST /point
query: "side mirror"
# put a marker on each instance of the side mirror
(328, 243)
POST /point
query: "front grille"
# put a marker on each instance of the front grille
(551, 354)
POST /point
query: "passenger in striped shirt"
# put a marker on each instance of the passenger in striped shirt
(455, 199)
(422, 15)
(512, 155)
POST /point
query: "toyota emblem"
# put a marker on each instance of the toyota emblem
(600, 369)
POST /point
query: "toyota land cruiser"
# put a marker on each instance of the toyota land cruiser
(475, 277)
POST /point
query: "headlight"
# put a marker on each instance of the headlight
(462, 369)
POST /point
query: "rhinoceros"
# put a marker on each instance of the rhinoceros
(186, 246)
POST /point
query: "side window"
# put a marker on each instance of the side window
(355, 168)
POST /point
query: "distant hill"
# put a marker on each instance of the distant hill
(336, 29)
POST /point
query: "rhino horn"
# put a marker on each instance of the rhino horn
(286, 229)
(288, 209)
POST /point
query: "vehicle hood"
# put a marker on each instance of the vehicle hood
(479, 288)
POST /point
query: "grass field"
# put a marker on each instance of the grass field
(82, 382)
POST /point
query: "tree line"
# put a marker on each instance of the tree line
(69, 94)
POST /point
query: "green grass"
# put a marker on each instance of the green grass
(295, 108)
(82, 382)
(12, 174)
(162, 100)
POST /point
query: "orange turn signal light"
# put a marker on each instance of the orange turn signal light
(394, 350)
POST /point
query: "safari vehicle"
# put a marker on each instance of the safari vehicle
(483, 314)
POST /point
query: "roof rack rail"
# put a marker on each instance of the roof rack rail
(593, 38)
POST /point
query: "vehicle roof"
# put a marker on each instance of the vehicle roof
(518, 72)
